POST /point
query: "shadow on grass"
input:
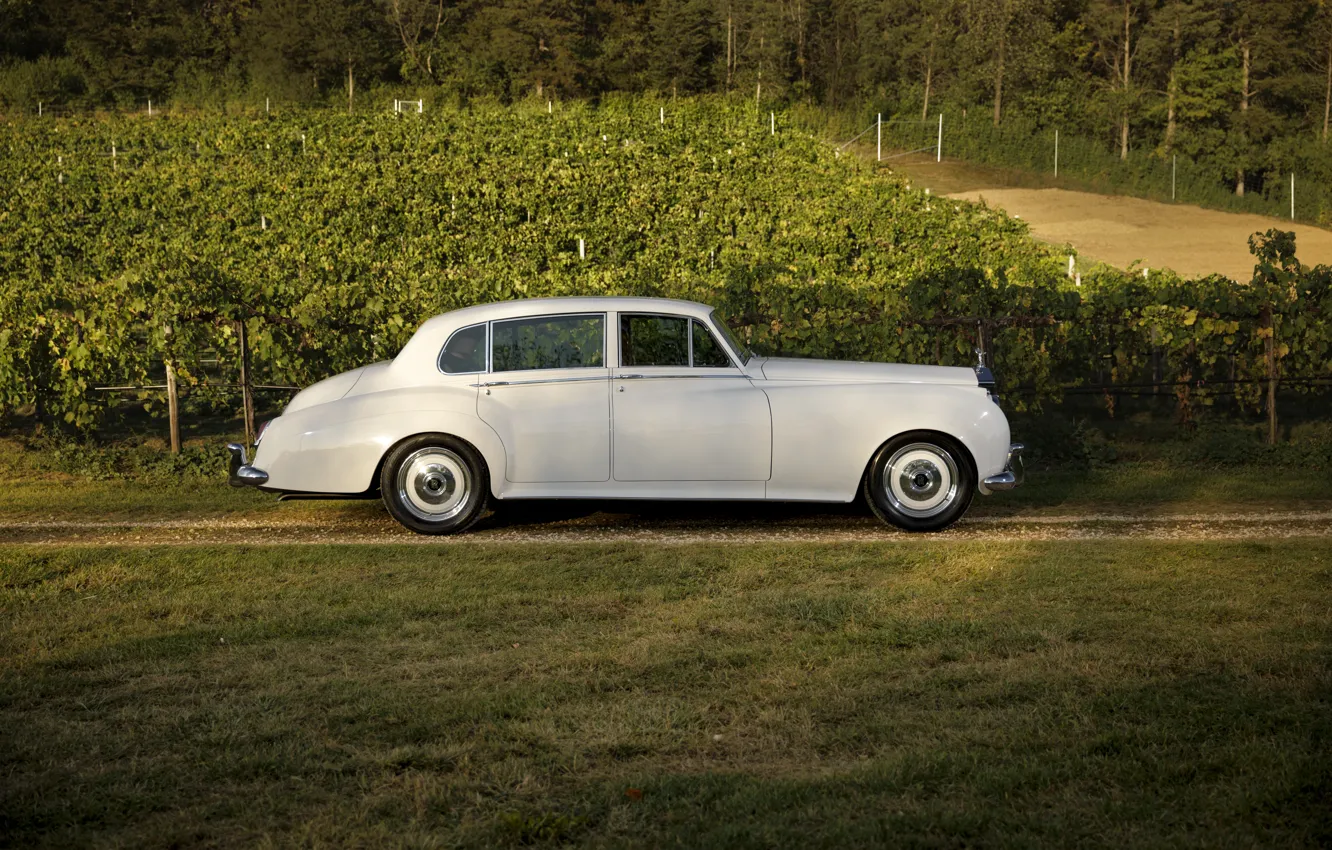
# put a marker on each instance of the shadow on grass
(1042, 694)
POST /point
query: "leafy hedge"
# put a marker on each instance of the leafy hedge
(332, 237)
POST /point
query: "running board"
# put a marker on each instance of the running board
(325, 497)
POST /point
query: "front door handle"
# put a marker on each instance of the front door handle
(625, 377)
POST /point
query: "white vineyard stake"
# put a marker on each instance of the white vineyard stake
(772, 123)
(663, 115)
(878, 138)
(938, 157)
(582, 255)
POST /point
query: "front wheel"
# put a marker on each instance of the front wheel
(920, 481)
(435, 484)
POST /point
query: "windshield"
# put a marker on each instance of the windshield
(720, 324)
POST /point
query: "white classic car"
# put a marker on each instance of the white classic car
(630, 398)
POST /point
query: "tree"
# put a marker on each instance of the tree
(418, 24)
(320, 42)
(1114, 26)
(992, 27)
(1176, 30)
(684, 48)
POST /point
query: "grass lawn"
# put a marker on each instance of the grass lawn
(934, 694)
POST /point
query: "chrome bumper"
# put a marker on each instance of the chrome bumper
(242, 474)
(1011, 476)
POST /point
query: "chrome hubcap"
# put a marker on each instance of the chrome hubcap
(920, 480)
(434, 483)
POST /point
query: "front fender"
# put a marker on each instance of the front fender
(823, 435)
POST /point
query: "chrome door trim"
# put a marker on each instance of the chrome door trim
(685, 376)
(579, 379)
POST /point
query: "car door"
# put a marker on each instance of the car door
(547, 395)
(682, 410)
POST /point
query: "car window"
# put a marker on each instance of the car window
(707, 351)
(548, 342)
(720, 324)
(465, 351)
(654, 341)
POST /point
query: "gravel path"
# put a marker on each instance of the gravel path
(666, 527)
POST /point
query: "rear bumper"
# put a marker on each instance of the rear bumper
(242, 474)
(1011, 476)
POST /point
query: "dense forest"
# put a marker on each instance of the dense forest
(1244, 84)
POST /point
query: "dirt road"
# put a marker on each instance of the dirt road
(1121, 230)
(665, 527)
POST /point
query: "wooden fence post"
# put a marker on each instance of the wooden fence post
(173, 400)
(1270, 346)
(247, 391)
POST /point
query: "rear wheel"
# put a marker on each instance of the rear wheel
(435, 484)
(920, 481)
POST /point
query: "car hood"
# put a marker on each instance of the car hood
(799, 369)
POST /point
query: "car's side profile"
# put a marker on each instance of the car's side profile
(630, 398)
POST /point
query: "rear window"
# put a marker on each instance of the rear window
(465, 351)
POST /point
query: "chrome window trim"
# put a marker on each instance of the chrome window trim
(439, 359)
(689, 334)
(490, 346)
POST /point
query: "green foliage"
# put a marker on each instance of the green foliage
(135, 461)
(332, 237)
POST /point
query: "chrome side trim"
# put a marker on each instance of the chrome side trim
(242, 474)
(679, 376)
(488, 384)
(1013, 472)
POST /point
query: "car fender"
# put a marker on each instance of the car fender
(809, 465)
(337, 447)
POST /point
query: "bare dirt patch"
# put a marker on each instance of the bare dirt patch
(1121, 230)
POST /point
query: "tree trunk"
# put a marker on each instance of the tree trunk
(1128, 81)
(730, 41)
(1327, 97)
(1170, 112)
(1172, 88)
(351, 87)
(1244, 111)
(999, 76)
(929, 71)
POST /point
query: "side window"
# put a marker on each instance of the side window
(707, 351)
(548, 342)
(654, 341)
(465, 351)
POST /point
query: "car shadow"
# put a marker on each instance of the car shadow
(535, 513)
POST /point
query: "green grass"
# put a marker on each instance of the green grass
(930, 694)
